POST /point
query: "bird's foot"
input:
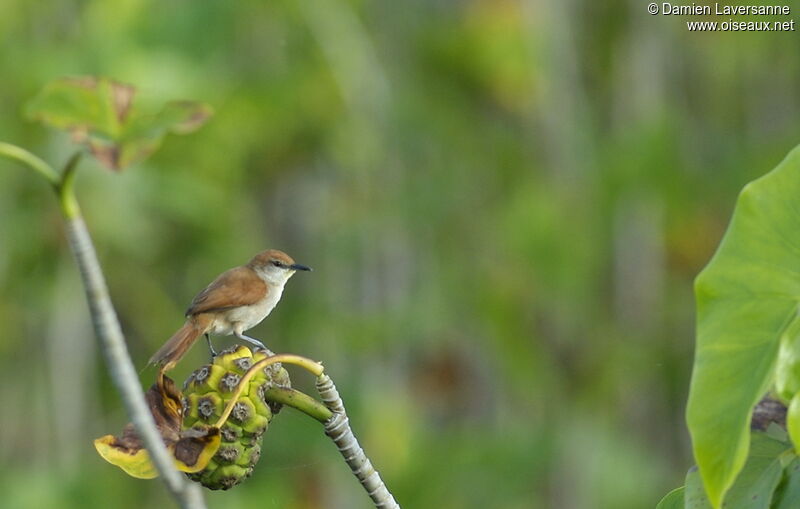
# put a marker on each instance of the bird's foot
(258, 344)
(211, 347)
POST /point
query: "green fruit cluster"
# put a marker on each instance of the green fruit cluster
(208, 391)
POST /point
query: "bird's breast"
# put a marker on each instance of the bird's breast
(261, 309)
(247, 317)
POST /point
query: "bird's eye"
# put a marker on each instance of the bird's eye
(277, 263)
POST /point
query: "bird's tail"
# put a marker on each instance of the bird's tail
(172, 351)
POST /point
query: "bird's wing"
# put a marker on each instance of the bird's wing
(236, 287)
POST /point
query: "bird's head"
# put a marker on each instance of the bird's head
(276, 267)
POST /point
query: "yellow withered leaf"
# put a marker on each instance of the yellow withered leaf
(134, 463)
(191, 449)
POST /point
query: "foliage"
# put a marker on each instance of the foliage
(191, 450)
(747, 311)
(506, 203)
(102, 114)
(766, 481)
(747, 343)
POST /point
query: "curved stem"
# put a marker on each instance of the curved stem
(338, 429)
(285, 358)
(31, 161)
(112, 343)
(66, 188)
(299, 401)
(313, 366)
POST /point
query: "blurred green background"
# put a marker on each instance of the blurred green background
(505, 203)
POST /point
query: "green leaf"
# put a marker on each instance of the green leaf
(694, 494)
(747, 296)
(101, 114)
(793, 420)
(673, 500)
(776, 432)
(789, 496)
(758, 479)
(80, 103)
(755, 485)
(787, 372)
(180, 117)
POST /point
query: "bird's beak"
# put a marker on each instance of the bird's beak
(297, 266)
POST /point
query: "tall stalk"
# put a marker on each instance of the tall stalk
(107, 326)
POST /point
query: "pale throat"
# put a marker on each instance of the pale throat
(274, 277)
(275, 281)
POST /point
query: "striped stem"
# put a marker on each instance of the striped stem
(112, 344)
(106, 324)
(338, 429)
(120, 366)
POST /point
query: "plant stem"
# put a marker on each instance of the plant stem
(21, 155)
(299, 401)
(106, 325)
(65, 188)
(120, 366)
(338, 429)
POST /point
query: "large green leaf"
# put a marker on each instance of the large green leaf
(746, 297)
(102, 114)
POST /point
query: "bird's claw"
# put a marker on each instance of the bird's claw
(253, 341)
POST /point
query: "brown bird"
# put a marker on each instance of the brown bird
(238, 300)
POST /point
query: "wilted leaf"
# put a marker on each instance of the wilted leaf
(181, 117)
(191, 449)
(127, 453)
(83, 104)
(101, 114)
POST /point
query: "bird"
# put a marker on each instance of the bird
(237, 300)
